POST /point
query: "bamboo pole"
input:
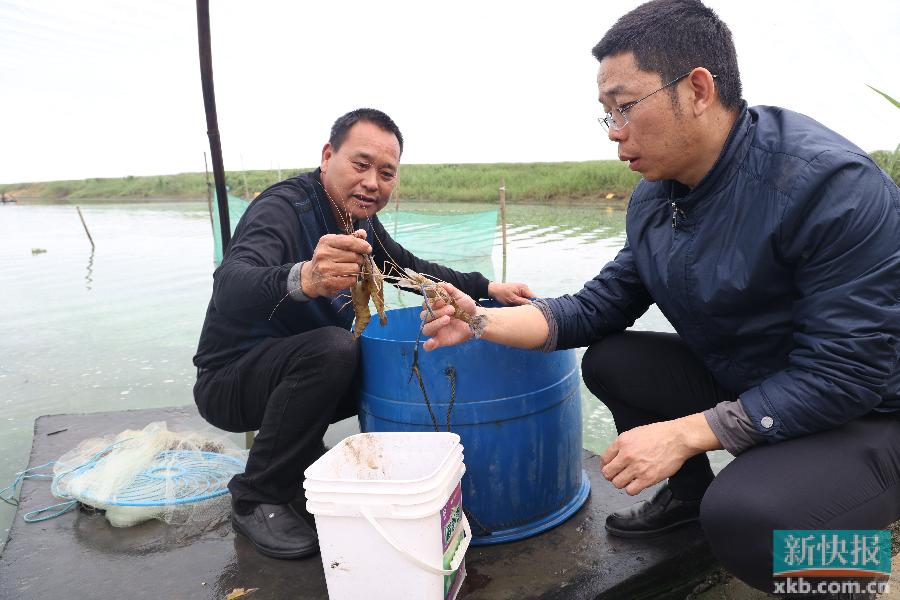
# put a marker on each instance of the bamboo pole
(85, 227)
(503, 223)
(212, 121)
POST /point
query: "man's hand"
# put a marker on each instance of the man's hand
(335, 264)
(510, 293)
(645, 455)
(442, 328)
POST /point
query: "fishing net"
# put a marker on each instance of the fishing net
(236, 208)
(151, 473)
(461, 241)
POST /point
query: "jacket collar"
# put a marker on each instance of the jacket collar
(729, 161)
(324, 212)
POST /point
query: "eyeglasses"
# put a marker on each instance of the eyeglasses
(617, 122)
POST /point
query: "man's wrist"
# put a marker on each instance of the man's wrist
(698, 436)
(295, 283)
(478, 323)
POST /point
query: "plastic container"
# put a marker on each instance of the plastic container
(518, 413)
(388, 509)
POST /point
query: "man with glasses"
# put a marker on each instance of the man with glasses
(772, 245)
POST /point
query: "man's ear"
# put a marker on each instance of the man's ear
(326, 156)
(703, 90)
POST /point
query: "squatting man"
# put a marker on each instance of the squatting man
(771, 245)
(286, 368)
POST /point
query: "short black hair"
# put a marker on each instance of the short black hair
(671, 37)
(370, 115)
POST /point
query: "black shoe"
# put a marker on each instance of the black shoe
(660, 514)
(277, 531)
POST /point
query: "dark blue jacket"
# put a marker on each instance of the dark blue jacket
(279, 229)
(780, 271)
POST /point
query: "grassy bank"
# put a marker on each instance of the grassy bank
(525, 182)
(463, 183)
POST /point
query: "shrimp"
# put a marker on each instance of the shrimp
(369, 285)
(432, 291)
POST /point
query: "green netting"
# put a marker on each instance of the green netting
(461, 241)
(236, 208)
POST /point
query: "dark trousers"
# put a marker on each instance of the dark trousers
(290, 390)
(844, 478)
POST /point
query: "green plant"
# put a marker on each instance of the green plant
(889, 161)
(889, 99)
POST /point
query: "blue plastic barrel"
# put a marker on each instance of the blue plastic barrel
(518, 413)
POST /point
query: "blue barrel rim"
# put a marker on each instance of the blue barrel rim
(373, 332)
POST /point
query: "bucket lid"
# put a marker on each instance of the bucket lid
(403, 503)
(370, 459)
(379, 487)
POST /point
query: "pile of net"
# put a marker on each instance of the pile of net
(151, 473)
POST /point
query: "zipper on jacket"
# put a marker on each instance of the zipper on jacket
(675, 213)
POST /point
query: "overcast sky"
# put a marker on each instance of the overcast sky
(108, 88)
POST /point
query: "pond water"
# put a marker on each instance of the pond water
(115, 328)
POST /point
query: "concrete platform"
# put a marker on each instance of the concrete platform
(79, 555)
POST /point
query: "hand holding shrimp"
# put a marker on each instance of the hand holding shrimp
(335, 264)
(517, 326)
(446, 323)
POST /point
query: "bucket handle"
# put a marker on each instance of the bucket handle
(457, 557)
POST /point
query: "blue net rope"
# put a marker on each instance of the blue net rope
(173, 477)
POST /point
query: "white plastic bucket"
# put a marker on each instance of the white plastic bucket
(388, 510)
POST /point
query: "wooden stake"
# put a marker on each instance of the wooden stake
(85, 227)
(396, 207)
(244, 175)
(503, 223)
(208, 192)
